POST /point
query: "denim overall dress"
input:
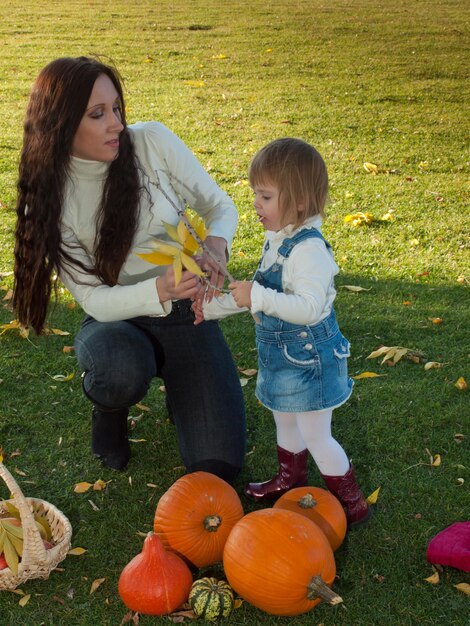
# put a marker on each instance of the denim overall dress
(300, 368)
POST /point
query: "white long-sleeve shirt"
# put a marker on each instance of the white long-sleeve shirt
(182, 177)
(307, 281)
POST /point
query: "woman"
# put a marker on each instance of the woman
(92, 194)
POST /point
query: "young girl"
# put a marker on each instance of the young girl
(302, 354)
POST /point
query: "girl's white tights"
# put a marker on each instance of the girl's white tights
(312, 430)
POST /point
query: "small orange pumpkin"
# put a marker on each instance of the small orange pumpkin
(155, 582)
(280, 562)
(195, 516)
(320, 506)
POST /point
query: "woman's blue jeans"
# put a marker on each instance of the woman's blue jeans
(120, 359)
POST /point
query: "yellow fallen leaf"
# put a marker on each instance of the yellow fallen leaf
(435, 320)
(195, 83)
(77, 551)
(464, 588)
(99, 485)
(354, 288)
(57, 331)
(219, 56)
(25, 599)
(67, 349)
(61, 378)
(423, 165)
(461, 384)
(436, 461)
(372, 168)
(82, 487)
(137, 440)
(96, 583)
(432, 365)
(372, 499)
(434, 579)
(142, 407)
(366, 375)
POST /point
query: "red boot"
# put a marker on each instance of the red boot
(346, 489)
(292, 473)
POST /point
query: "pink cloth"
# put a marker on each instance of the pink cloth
(451, 547)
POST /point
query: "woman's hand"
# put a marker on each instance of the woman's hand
(241, 292)
(188, 286)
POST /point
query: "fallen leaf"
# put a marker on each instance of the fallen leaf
(57, 331)
(244, 381)
(137, 440)
(464, 588)
(93, 505)
(77, 551)
(354, 288)
(142, 407)
(461, 384)
(460, 482)
(372, 168)
(459, 437)
(99, 485)
(96, 583)
(195, 83)
(432, 365)
(25, 599)
(63, 378)
(68, 349)
(249, 372)
(434, 579)
(407, 302)
(82, 487)
(372, 499)
(435, 320)
(436, 461)
(177, 617)
(366, 375)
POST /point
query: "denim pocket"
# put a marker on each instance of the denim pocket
(301, 354)
(342, 351)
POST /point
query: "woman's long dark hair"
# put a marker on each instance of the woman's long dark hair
(57, 104)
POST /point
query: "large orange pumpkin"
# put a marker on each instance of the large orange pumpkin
(319, 505)
(280, 562)
(195, 516)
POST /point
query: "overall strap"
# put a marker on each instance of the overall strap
(306, 233)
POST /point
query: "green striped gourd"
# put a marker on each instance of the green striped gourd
(211, 599)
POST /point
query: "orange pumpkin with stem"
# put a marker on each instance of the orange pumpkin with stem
(280, 562)
(195, 516)
(320, 506)
(155, 582)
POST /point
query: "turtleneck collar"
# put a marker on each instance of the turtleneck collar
(91, 170)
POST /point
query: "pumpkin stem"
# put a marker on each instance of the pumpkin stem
(212, 523)
(317, 588)
(307, 501)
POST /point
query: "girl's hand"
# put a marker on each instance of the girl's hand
(186, 288)
(198, 311)
(241, 292)
(214, 271)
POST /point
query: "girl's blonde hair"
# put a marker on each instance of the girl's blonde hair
(298, 171)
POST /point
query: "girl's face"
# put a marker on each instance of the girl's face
(97, 136)
(267, 207)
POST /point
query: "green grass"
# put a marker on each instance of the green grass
(363, 81)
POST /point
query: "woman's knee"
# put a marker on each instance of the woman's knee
(118, 362)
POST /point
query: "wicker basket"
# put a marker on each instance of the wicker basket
(36, 562)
